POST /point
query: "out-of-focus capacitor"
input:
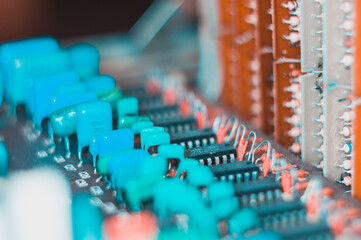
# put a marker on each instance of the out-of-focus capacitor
(71, 88)
(154, 165)
(42, 91)
(171, 151)
(147, 132)
(92, 119)
(218, 190)
(100, 84)
(112, 97)
(4, 160)
(141, 189)
(237, 224)
(24, 68)
(87, 219)
(187, 164)
(127, 106)
(137, 127)
(111, 141)
(123, 170)
(128, 121)
(156, 140)
(22, 48)
(199, 176)
(85, 59)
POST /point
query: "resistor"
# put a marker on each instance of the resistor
(290, 5)
(295, 147)
(292, 104)
(295, 132)
(346, 181)
(346, 131)
(346, 116)
(347, 148)
(347, 164)
(347, 7)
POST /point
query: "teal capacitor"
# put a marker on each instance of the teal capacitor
(86, 219)
(243, 220)
(173, 196)
(187, 164)
(199, 176)
(145, 133)
(24, 68)
(85, 59)
(127, 106)
(204, 220)
(176, 233)
(262, 235)
(4, 160)
(157, 140)
(137, 127)
(154, 165)
(112, 97)
(140, 189)
(128, 121)
(173, 151)
(63, 124)
(22, 48)
(92, 119)
(225, 207)
(63, 121)
(100, 84)
(42, 91)
(220, 190)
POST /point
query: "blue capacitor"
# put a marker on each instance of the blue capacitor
(127, 106)
(85, 59)
(156, 140)
(92, 119)
(41, 92)
(25, 68)
(100, 83)
(64, 101)
(86, 219)
(72, 88)
(1, 88)
(127, 161)
(22, 48)
(137, 127)
(4, 160)
(144, 133)
(109, 142)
